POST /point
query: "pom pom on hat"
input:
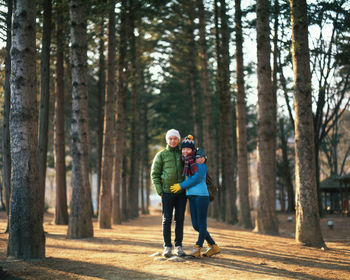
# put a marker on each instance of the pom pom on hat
(188, 142)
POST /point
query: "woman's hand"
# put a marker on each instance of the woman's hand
(175, 188)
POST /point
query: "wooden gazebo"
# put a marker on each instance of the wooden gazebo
(344, 192)
(335, 194)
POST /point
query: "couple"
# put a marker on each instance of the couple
(174, 170)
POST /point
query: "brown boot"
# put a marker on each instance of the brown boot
(212, 250)
(196, 252)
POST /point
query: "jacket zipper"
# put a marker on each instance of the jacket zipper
(177, 172)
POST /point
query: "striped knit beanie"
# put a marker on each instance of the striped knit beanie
(188, 143)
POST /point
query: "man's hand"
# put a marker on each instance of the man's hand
(175, 188)
(200, 160)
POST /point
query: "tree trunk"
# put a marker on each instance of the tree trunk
(133, 191)
(124, 188)
(219, 203)
(100, 119)
(61, 213)
(266, 221)
(226, 124)
(144, 162)
(120, 121)
(45, 96)
(6, 148)
(208, 141)
(245, 217)
(308, 230)
(80, 223)
(26, 234)
(142, 188)
(105, 212)
(286, 173)
(145, 138)
(192, 70)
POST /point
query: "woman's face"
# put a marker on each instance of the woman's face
(186, 151)
(173, 141)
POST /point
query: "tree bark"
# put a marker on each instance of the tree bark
(219, 203)
(61, 213)
(101, 102)
(6, 148)
(145, 140)
(226, 124)
(192, 70)
(80, 223)
(286, 173)
(208, 141)
(45, 96)
(133, 190)
(308, 230)
(266, 221)
(26, 234)
(245, 217)
(120, 122)
(105, 212)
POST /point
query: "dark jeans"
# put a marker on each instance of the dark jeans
(199, 212)
(169, 202)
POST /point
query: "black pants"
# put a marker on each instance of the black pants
(170, 202)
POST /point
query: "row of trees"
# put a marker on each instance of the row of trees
(111, 110)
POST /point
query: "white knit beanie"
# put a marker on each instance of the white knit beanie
(172, 132)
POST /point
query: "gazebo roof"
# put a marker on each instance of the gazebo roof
(345, 179)
(331, 183)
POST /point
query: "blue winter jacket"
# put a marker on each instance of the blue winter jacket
(195, 184)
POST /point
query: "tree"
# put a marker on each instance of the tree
(308, 230)
(335, 147)
(189, 29)
(101, 87)
(6, 113)
(219, 203)
(208, 137)
(245, 217)
(80, 223)
(266, 221)
(61, 212)
(26, 234)
(120, 123)
(105, 212)
(45, 95)
(226, 122)
(133, 190)
(284, 164)
(145, 176)
(330, 99)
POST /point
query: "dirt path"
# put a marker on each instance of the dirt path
(124, 253)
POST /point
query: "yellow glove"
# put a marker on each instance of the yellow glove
(175, 188)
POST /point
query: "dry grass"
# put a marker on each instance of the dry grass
(124, 253)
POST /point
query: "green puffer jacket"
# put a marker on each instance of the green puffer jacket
(166, 169)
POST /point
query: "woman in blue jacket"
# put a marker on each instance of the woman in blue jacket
(194, 173)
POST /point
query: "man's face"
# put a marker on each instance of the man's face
(173, 141)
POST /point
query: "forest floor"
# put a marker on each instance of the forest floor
(124, 252)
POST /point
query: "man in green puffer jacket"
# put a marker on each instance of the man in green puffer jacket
(166, 171)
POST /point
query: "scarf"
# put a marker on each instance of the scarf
(190, 166)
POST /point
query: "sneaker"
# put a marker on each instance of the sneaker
(179, 252)
(196, 252)
(212, 250)
(167, 252)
